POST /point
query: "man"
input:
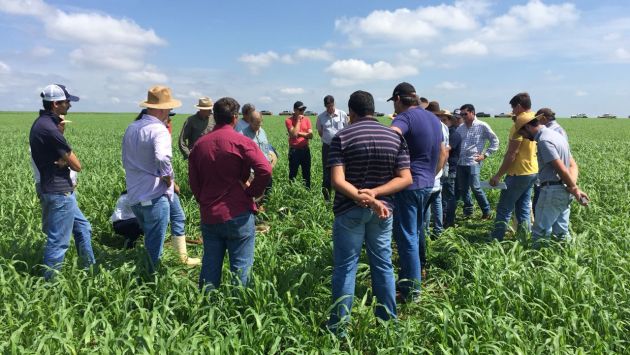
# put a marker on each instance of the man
(146, 154)
(219, 169)
(300, 132)
(256, 133)
(449, 191)
(54, 158)
(475, 134)
(247, 111)
(521, 167)
(328, 124)
(557, 186)
(196, 126)
(369, 163)
(423, 133)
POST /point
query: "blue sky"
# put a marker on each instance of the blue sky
(572, 56)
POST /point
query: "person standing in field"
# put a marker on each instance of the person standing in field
(369, 162)
(475, 134)
(256, 133)
(521, 167)
(196, 126)
(54, 158)
(247, 112)
(449, 190)
(328, 124)
(557, 185)
(219, 170)
(300, 132)
(423, 133)
(146, 155)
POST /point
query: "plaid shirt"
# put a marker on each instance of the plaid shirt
(474, 140)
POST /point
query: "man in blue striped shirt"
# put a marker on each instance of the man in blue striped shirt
(369, 162)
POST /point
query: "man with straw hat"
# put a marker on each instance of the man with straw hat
(196, 126)
(147, 153)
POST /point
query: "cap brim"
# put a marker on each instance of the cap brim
(301, 107)
(73, 98)
(391, 98)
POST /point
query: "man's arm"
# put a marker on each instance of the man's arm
(70, 160)
(319, 126)
(184, 137)
(293, 129)
(494, 141)
(309, 132)
(401, 180)
(193, 177)
(508, 159)
(443, 158)
(255, 158)
(573, 169)
(162, 152)
(572, 187)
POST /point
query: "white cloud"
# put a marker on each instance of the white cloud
(255, 62)
(313, 54)
(26, 7)
(118, 57)
(41, 51)
(4, 68)
(149, 75)
(265, 99)
(194, 94)
(622, 54)
(351, 71)
(115, 100)
(466, 47)
(612, 36)
(450, 85)
(580, 93)
(292, 91)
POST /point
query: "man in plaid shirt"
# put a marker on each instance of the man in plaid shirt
(475, 134)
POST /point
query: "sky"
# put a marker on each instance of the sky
(571, 56)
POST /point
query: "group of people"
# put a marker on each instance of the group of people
(386, 180)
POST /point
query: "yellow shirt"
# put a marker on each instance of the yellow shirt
(525, 162)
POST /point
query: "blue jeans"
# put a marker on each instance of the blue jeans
(61, 216)
(178, 218)
(468, 178)
(237, 236)
(516, 197)
(552, 214)
(154, 220)
(434, 209)
(350, 230)
(409, 236)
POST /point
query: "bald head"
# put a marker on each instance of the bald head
(255, 121)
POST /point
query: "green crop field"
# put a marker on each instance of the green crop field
(480, 296)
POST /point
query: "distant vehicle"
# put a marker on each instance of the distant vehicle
(266, 113)
(503, 115)
(379, 114)
(483, 114)
(285, 113)
(607, 115)
(579, 115)
(310, 113)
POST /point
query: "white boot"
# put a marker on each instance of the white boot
(179, 244)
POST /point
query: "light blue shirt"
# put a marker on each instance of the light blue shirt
(260, 138)
(331, 124)
(146, 155)
(241, 125)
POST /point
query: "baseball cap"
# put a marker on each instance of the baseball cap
(403, 89)
(57, 92)
(299, 105)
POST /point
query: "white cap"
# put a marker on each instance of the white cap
(57, 92)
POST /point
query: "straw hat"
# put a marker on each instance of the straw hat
(205, 103)
(524, 119)
(160, 97)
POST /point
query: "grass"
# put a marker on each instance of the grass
(480, 297)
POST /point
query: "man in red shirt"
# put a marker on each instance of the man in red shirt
(219, 166)
(300, 131)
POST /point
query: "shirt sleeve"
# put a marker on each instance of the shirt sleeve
(318, 123)
(334, 154)
(309, 126)
(289, 124)
(547, 151)
(255, 158)
(494, 140)
(59, 143)
(193, 175)
(163, 152)
(402, 123)
(402, 158)
(184, 136)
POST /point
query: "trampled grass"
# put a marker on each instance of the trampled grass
(480, 297)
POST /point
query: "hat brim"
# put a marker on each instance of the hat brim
(164, 105)
(300, 108)
(206, 108)
(391, 98)
(72, 98)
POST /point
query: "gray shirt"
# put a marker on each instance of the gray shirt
(551, 146)
(556, 127)
(331, 124)
(193, 129)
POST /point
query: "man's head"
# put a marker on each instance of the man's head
(226, 111)
(467, 111)
(247, 111)
(424, 102)
(255, 121)
(329, 103)
(360, 104)
(298, 108)
(527, 126)
(520, 103)
(458, 118)
(404, 96)
(545, 115)
(56, 98)
(204, 107)
(160, 102)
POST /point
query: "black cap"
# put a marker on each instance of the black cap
(403, 89)
(299, 105)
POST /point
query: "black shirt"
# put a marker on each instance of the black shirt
(455, 142)
(47, 146)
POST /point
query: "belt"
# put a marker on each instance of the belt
(551, 183)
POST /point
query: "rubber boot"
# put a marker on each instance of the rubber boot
(179, 244)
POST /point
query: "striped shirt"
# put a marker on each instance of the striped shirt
(370, 154)
(474, 140)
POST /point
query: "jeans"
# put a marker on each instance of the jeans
(517, 197)
(237, 236)
(433, 209)
(153, 219)
(350, 230)
(297, 158)
(61, 216)
(178, 218)
(468, 178)
(552, 213)
(326, 184)
(409, 236)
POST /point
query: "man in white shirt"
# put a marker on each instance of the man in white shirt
(328, 124)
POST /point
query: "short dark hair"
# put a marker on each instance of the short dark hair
(523, 99)
(225, 109)
(329, 99)
(248, 108)
(424, 100)
(548, 113)
(409, 100)
(361, 103)
(468, 107)
(48, 105)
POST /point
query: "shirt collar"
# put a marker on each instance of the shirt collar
(366, 118)
(540, 132)
(55, 118)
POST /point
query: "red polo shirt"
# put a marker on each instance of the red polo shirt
(220, 161)
(305, 126)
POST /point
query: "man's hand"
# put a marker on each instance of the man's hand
(176, 188)
(368, 196)
(167, 180)
(380, 209)
(61, 163)
(479, 157)
(580, 195)
(494, 181)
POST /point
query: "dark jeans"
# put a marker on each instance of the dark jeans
(326, 186)
(468, 179)
(130, 229)
(450, 196)
(297, 158)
